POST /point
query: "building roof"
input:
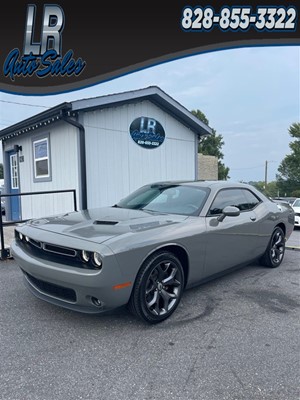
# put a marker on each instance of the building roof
(151, 93)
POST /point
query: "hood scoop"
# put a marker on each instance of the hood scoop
(105, 222)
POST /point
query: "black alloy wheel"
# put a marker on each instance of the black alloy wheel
(274, 253)
(158, 288)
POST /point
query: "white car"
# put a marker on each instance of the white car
(296, 207)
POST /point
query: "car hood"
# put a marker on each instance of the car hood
(100, 225)
(296, 209)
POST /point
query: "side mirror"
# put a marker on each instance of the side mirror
(229, 211)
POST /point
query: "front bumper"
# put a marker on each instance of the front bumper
(73, 288)
(297, 220)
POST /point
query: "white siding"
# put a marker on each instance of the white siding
(64, 171)
(116, 165)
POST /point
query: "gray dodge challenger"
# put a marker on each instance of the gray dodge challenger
(146, 249)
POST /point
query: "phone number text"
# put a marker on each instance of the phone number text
(239, 18)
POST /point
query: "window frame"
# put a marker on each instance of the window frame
(37, 139)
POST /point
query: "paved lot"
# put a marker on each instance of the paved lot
(294, 240)
(234, 338)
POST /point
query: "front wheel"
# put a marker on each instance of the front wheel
(274, 253)
(158, 288)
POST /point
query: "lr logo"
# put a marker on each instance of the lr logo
(147, 132)
(52, 27)
(43, 58)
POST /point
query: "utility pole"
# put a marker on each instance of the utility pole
(266, 174)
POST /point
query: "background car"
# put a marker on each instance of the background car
(146, 249)
(288, 200)
(296, 208)
(291, 200)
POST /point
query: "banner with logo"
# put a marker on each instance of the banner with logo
(52, 47)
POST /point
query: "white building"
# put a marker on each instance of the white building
(103, 147)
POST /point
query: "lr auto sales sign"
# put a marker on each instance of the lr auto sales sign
(43, 58)
(147, 132)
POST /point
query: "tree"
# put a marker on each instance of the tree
(211, 145)
(271, 190)
(288, 177)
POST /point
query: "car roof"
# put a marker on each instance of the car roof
(206, 184)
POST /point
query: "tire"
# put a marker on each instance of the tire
(158, 288)
(274, 253)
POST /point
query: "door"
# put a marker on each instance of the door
(14, 187)
(235, 240)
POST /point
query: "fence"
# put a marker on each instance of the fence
(5, 253)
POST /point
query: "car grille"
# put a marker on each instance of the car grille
(55, 253)
(51, 289)
(63, 251)
(35, 243)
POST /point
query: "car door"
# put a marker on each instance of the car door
(234, 240)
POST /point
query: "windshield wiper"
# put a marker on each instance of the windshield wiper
(152, 211)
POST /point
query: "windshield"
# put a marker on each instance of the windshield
(170, 199)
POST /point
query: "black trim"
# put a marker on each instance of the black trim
(51, 289)
(36, 119)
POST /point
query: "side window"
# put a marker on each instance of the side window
(229, 197)
(252, 200)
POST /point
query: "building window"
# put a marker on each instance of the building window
(14, 172)
(41, 159)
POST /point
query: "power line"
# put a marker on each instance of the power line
(257, 166)
(235, 169)
(23, 104)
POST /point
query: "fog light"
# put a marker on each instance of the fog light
(96, 302)
(97, 259)
(85, 255)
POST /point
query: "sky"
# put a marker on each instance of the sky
(250, 96)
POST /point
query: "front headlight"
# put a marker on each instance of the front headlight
(97, 259)
(85, 255)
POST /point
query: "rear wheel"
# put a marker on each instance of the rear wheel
(274, 253)
(158, 288)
